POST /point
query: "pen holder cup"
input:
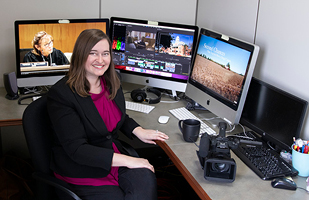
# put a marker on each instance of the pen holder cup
(300, 162)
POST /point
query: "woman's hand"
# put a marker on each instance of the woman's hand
(121, 160)
(148, 135)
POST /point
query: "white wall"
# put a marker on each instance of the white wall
(282, 34)
(176, 11)
(235, 18)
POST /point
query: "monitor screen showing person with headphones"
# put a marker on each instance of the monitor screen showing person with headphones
(151, 53)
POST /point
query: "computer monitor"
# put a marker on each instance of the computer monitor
(274, 114)
(220, 75)
(155, 54)
(38, 70)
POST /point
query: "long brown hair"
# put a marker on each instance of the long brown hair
(77, 80)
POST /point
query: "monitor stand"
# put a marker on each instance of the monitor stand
(174, 94)
(171, 93)
(194, 106)
(212, 119)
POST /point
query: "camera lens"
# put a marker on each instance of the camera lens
(220, 167)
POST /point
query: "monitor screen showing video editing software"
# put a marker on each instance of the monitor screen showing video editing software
(153, 49)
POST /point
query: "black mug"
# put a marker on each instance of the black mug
(190, 129)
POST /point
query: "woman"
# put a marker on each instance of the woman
(87, 109)
(44, 51)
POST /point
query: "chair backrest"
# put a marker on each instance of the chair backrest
(22, 53)
(38, 133)
(39, 136)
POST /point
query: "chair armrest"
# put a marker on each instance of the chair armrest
(57, 183)
(129, 149)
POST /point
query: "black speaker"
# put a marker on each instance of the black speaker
(10, 84)
(140, 95)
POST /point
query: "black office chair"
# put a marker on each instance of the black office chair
(38, 133)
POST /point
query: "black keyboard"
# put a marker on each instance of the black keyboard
(265, 162)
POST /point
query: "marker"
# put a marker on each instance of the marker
(306, 149)
(295, 147)
(303, 149)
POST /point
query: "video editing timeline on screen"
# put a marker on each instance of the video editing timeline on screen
(153, 49)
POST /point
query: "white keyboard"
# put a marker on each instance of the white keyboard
(139, 107)
(182, 113)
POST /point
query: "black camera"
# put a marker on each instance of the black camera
(215, 158)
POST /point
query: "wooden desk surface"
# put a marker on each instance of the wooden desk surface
(247, 184)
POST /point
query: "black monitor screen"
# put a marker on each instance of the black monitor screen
(273, 113)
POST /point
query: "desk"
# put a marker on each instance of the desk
(247, 184)
(10, 112)
(44, 68)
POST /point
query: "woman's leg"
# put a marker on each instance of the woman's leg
(137, 184)
(106, 192)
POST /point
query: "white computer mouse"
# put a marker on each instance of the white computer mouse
(163, 119)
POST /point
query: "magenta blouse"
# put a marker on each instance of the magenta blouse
(111, 115)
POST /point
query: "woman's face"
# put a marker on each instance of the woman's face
(98, 60)
(45, 46)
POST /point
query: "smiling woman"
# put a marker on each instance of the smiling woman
(96, 65)
(87, 110)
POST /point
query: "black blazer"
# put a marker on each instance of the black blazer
(83, 145)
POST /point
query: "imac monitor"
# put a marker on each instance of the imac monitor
(155, 54)
(274, 114)
(220, 75)
(38, 70)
